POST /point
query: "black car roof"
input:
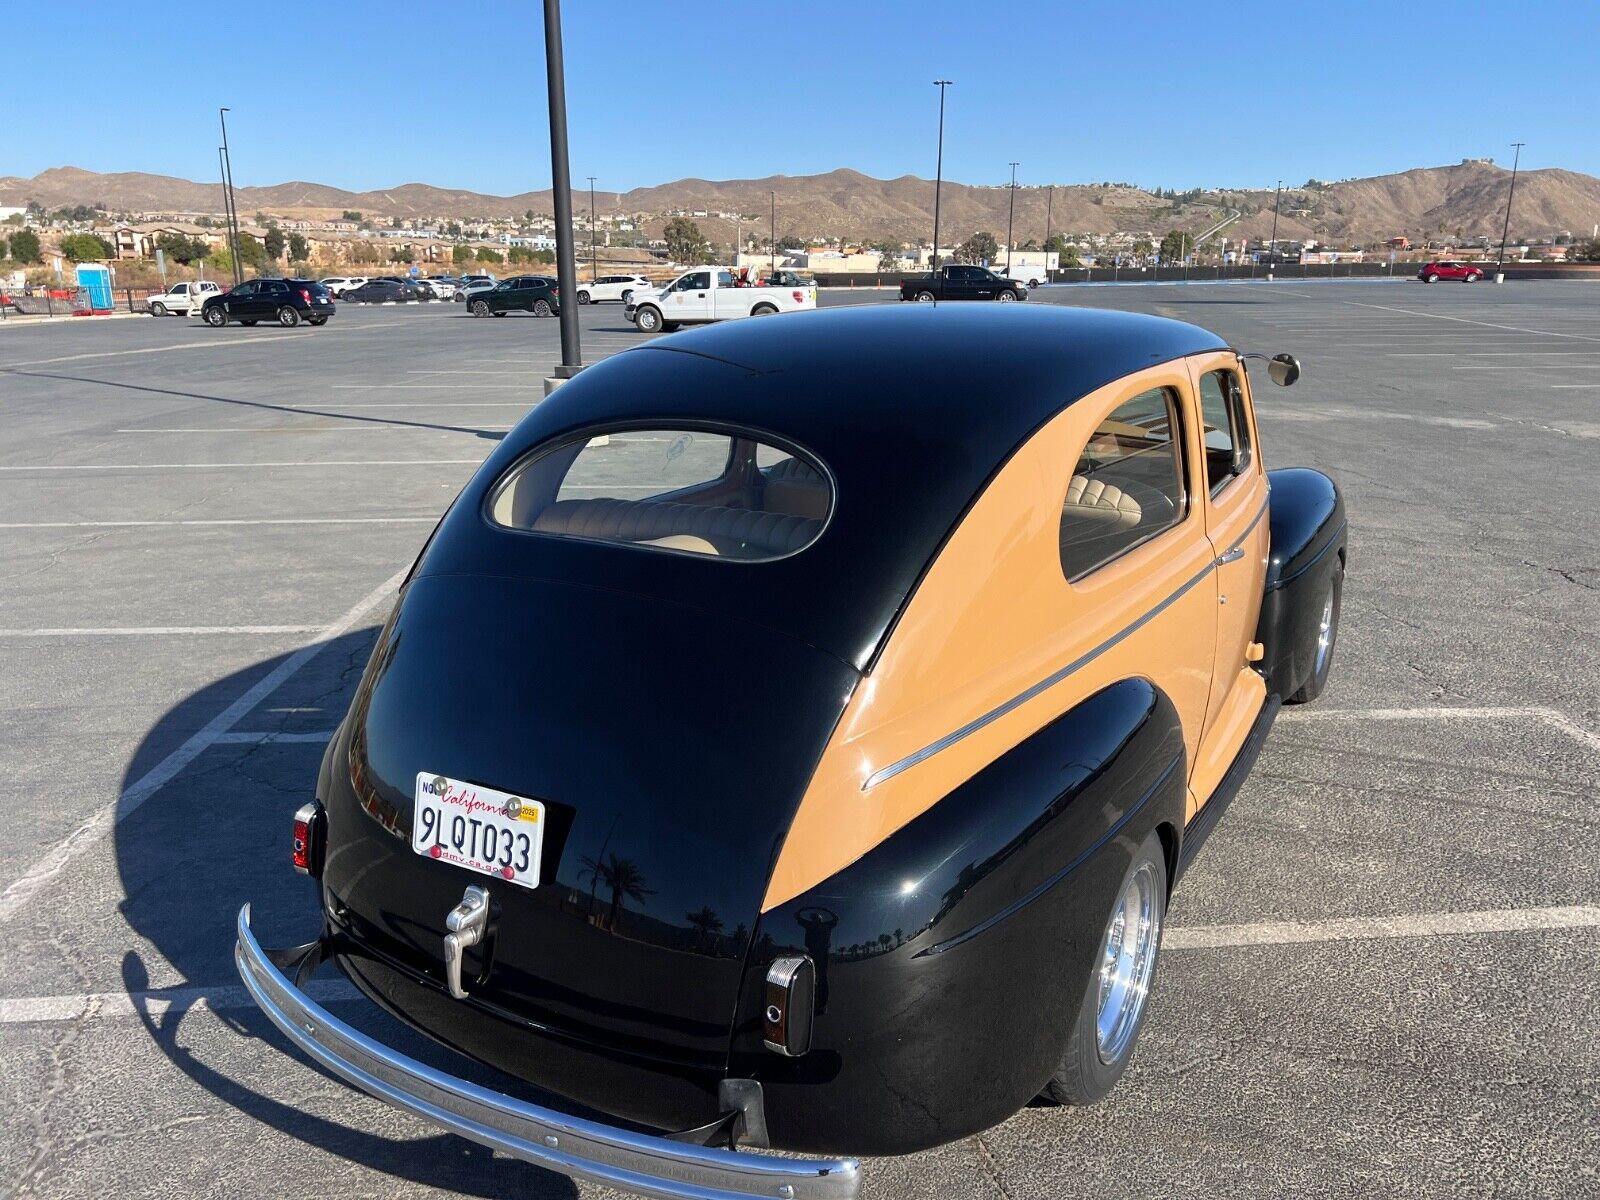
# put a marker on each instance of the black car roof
(911, 408)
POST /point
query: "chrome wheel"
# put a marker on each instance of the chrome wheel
(1127, 961)
(1006, 297)
(924, 297)
(1325, 634)
(541, 308)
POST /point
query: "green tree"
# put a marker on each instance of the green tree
(980, 247)
(1176, 245)
(85, 247)
(16, 219)
(5, 247)
(221, 260)
(181, 248)
(1144, 248)
(25, 246)
(1070, 256)
(544, 256)
(351, 215)
(275, 243)
(461, 253)
(489, 256)
(685, 242)
(790, 242)
(519, 254)
(299, 248)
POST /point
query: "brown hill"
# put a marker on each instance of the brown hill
(1469, 197)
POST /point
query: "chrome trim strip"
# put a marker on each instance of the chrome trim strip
(1049, 681)
(633, 1162)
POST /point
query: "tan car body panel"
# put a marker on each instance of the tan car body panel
(994, 616)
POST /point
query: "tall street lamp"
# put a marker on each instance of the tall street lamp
(1049, 203)
(233, 201)
(561, 187)
(227, 205)
(938, 172)
(1272, 246)
(772, 238)
(1011, 213)
(1505, 230)
(594, 254)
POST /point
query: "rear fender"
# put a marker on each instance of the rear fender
(952, 958)
(1307, 520)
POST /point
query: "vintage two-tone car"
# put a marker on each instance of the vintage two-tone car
(791, 736)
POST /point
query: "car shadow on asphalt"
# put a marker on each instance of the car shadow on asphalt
(215, 837)
(487, 434)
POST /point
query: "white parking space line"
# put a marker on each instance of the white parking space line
(209, 344)
(220, 521)
(1578, 386)
(365, 428)
(430, 387)
(222, 466)
(1528, 367)
(156, 631)
(89, 834)
(318, 737)
(1417, 925)
(1549, 716)
(1436, 316)
(156, 1002)
(418, 404)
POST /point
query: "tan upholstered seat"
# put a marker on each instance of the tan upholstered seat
(730, 532)
(1093, 501)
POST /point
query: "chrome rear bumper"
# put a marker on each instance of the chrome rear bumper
(635, 1162)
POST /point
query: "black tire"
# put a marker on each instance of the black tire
(1005, 295)
(1085, 1074)
(627, 296)
(541, 308)
(925, 297)
(1033, 283)
(583, 297)
(763, 310)
(158, 309)
(648, 319)
(288, 316)
(215, 317)
(480, 308)
(670, 326)
(1324, 637)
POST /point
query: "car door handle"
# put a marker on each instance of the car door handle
(1233, 555)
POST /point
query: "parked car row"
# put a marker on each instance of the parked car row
(361, 290)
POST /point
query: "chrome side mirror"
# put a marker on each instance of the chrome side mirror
(1283, 369)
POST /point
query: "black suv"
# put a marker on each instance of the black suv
(286, 301)
(530, 293)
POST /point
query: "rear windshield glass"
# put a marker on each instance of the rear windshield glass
(724, 495)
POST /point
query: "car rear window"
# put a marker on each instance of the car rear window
(722, 494)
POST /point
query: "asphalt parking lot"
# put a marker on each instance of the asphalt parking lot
(1381, 974)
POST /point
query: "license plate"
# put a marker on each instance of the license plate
(493, 833)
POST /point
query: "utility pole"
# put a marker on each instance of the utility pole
(1049, 203)
(1505, 230)
(594, 254)
(1011, 213)
(233, 201)
(772, 239)
(938, 174)
(561, 186)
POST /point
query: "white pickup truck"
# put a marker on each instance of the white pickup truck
(711, 294)
(183, 299)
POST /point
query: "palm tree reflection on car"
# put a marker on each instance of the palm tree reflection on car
(623, 877)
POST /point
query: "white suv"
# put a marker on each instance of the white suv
(615, 287)
(183, 298)
(339, 284)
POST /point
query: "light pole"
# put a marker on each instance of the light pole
(233, 202)
(1505, 230)
(938, 174)
(1049, 203)
(561, 186)
(1011, 213)
(227, 204)
(772, 238)
(594, 254)
(1272, 246)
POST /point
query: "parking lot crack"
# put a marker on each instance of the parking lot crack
(1571, 575)
(991, 1168)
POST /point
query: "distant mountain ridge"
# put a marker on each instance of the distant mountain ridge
(1469, 197)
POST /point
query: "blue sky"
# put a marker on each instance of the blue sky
(366, 94)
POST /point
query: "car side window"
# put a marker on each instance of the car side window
(696, 282)
(1127, 485)
(245, 289)
(1225, 431)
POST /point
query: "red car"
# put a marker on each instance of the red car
(1435, 271)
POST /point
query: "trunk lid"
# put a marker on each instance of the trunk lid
(669, 745)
